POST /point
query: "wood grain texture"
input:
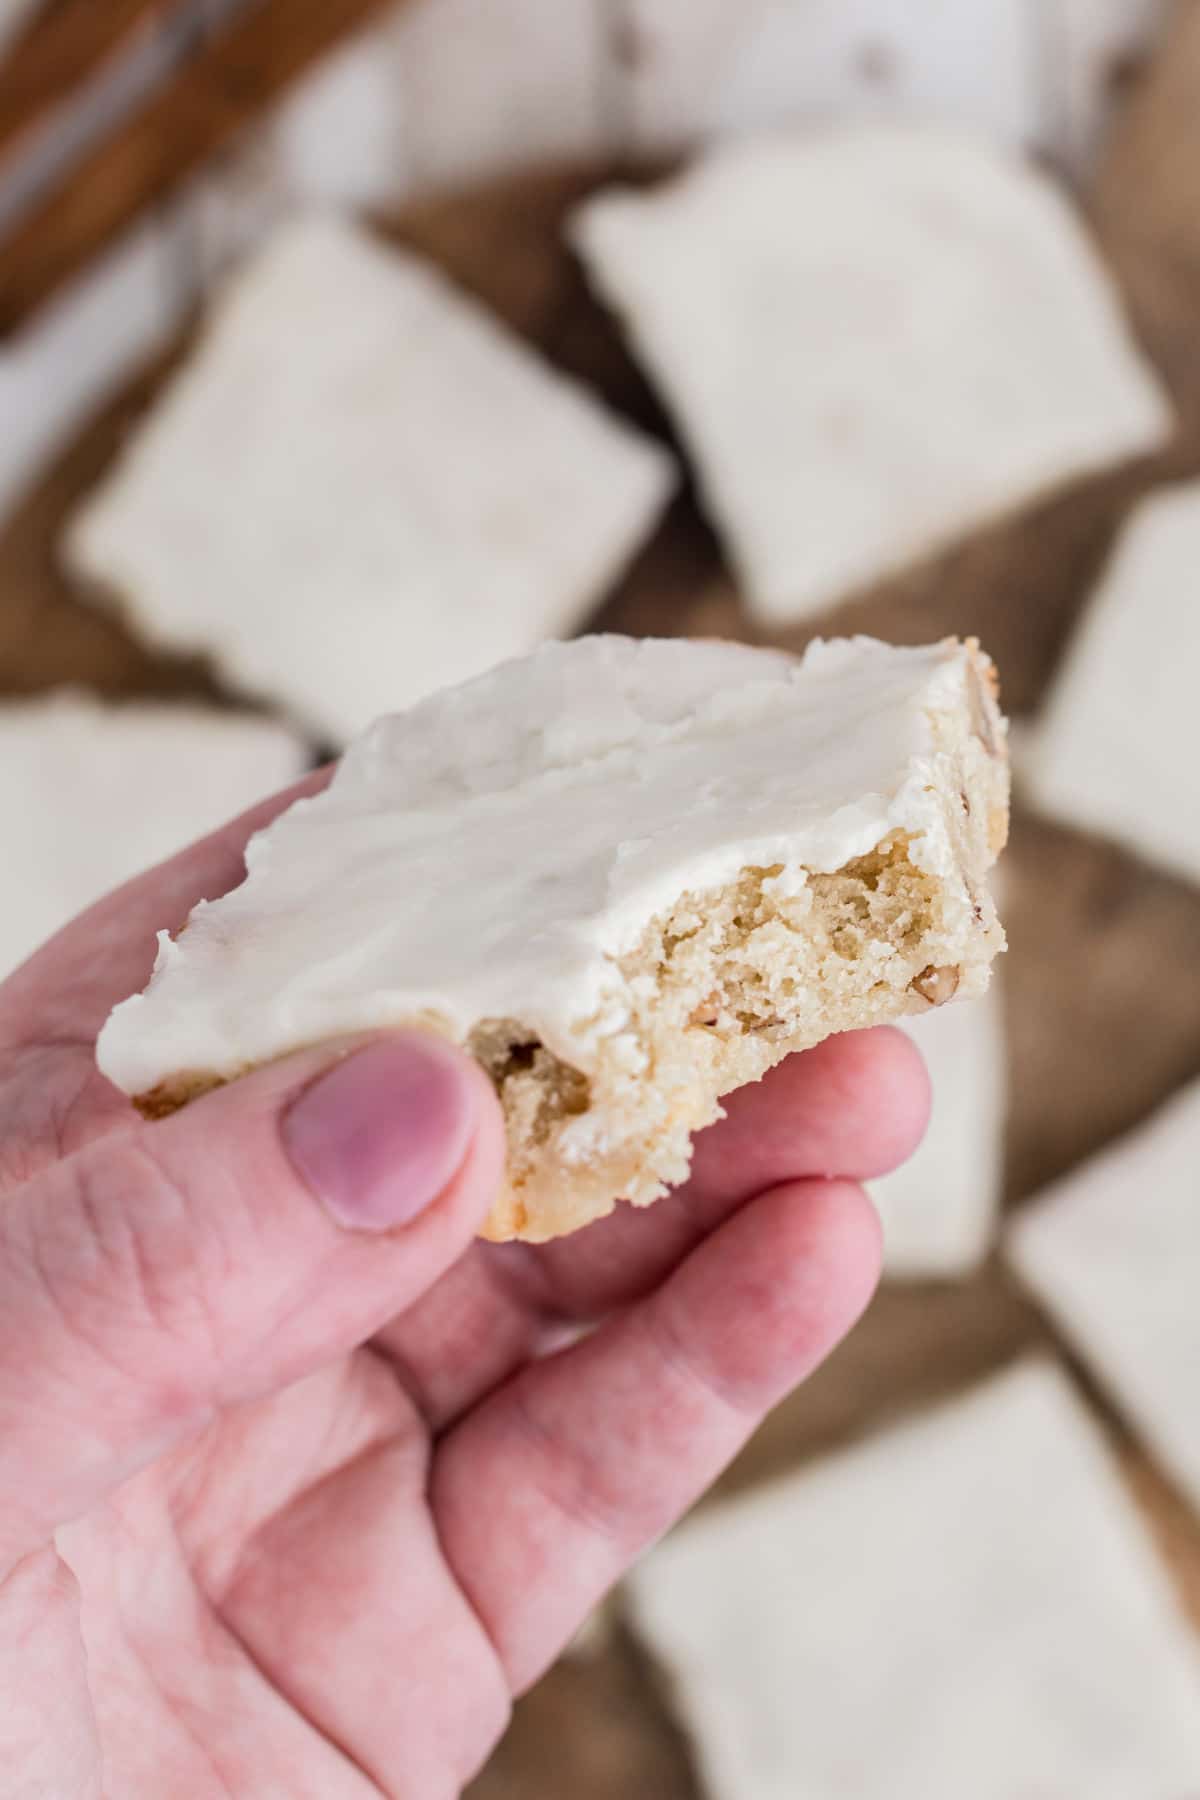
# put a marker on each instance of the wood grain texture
(14, 17)
(66, 45)
(1146, 206)
(1094, 51)
(1103, 982)
(599, 1726)
(47, 636)
(85, 345)
(202, 108)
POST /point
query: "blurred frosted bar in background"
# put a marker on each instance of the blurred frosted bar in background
(406, 493)
(873, 339)
(92, 794)
(1117, 749)
(939, 1210)
(1113, 1253)
(967, 1605)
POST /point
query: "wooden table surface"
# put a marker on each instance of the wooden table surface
(1103, 978)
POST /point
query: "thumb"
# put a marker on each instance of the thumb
(171, 1270)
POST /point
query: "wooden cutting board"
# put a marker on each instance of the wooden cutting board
(1103, 978)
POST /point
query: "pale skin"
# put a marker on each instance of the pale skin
(295, 1498)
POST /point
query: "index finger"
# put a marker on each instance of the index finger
(855, 1106)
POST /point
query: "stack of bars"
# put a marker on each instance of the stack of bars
(932, 346)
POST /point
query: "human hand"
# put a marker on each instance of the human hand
(299, 1483)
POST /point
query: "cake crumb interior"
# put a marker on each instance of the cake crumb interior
(720, 988)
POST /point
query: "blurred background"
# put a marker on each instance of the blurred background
(148, 148)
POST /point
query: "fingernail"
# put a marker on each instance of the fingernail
(380, 1136)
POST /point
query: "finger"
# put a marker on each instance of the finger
(856, 1105)
(166, 1273)
(66, 990)
(486, 1317)
(53, 1099)
(395, 1668)
(350, 1534)
(547, 1492)
(49, 1742)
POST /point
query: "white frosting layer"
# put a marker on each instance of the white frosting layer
(362, 487)
(488, 853)
(874, 338)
